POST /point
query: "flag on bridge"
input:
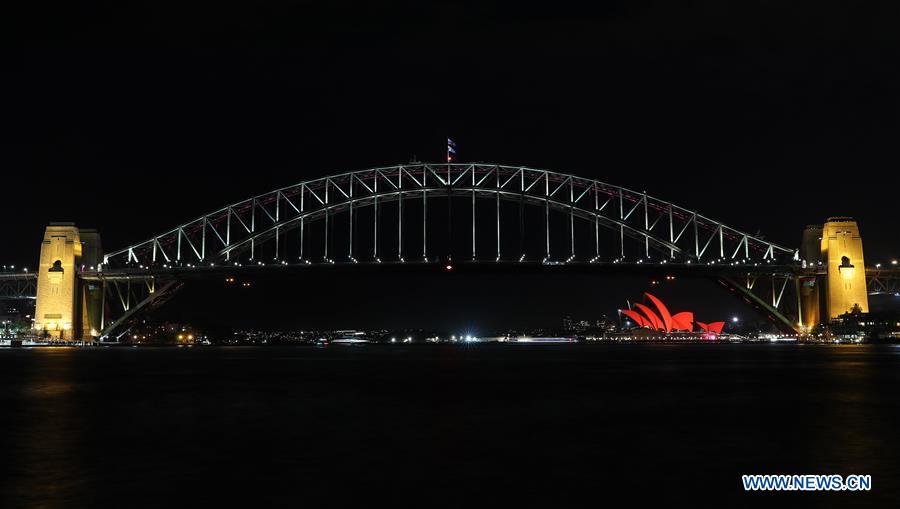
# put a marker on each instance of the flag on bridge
(451, 150)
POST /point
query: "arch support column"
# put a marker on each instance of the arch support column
(842, 252)
(64, 310)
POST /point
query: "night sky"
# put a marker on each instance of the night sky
(764, 115)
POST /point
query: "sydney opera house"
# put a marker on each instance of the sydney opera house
(659, 320)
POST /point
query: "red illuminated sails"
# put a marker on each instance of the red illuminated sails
(662, 320)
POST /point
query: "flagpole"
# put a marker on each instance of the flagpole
(449, 208)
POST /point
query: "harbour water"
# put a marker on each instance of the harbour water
(445, 425)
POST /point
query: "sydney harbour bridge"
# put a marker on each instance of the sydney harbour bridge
(457, 216)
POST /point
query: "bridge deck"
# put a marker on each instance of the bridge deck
(698, 270)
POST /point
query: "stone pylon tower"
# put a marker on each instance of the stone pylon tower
(834, 282)
(64, 308)
(842, 253)
(91, 292)
(810, 285)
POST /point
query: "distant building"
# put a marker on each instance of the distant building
(857, 327)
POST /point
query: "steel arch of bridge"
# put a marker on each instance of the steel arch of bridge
(19, 286)
(883, 281)
(676, 234)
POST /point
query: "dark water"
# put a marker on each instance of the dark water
(486, 425)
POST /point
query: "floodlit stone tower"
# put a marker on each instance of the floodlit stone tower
(64, 309)
(57, 297)
(842, 253)
(91, 292)
(810, 286)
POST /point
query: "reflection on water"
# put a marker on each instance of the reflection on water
(42, 428)
(442, 425)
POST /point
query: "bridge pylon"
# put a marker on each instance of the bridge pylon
(834, 282)
(67, 308)
(810, 284)
(842, 252)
